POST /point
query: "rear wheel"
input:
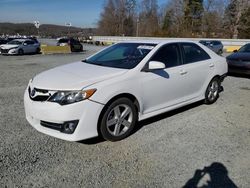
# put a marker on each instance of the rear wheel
(220, 52)
(38, 50)
(20, 52)
(212, 92)
(118, 120)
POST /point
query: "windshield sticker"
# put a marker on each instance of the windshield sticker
(145, 47)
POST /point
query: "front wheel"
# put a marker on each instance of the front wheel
(118, 120)
(212, 92)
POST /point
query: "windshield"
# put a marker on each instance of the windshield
(15, 42)
(245, 48)
(122, 55)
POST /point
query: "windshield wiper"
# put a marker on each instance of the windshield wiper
(91, 62)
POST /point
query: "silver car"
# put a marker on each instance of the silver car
(214, 45)
(20, 47)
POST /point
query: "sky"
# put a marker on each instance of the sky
(80, 13)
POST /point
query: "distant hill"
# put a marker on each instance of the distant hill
(45, 30)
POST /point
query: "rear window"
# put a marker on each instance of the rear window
(216, 43)
(245, 48)
(193, 53)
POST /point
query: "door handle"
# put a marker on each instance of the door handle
(211, 65)
(183, 72)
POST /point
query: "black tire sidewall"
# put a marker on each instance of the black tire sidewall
(38, 50)
(103, 128)
(20, 52)
(207, 101)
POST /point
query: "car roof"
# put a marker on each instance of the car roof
(22, 40)
(159, 41)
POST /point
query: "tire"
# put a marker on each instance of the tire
(212, 91)
(81, 49)
(115, 126)
(38, 50)
(20, 52)
(220, 52)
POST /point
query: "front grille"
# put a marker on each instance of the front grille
(40, 95)
(4, 51)
(55, 126)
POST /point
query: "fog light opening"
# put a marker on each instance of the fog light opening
(69, 127)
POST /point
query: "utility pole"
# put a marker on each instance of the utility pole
(37, 25)
(68, 25)
(137, 27)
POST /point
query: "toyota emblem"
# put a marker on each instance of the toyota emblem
(33, 93)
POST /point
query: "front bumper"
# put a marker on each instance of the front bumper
(87, 112)
(238, 70)
(8, 51)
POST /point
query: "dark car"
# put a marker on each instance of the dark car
(34, 39)
(239, 61)
(214, 45)
(74, 44)
(3, 41)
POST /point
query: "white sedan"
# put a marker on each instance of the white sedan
(20, 47)
(110, 91)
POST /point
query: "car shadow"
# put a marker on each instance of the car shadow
(165, 115)
(217, 176)
(161, 73)
(92, 141)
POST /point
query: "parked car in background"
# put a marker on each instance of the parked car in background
(74, 44)
(3, 41)
(34, 39)
(107, 93)
(239, 61)
(20, 47)
(214, 45)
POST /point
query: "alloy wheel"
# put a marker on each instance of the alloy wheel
(213, 90)
(119, 120)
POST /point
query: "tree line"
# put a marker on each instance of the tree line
(177, 18)
(45, 30)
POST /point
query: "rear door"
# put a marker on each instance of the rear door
(29, 47)
(196, 70)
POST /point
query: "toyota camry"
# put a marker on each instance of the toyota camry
(108, 93)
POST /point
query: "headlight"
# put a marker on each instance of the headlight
(13, 48)
(69, 97)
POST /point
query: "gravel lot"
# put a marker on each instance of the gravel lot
(165, 151)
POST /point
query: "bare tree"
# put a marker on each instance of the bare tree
(173, 19)
(108, 24)
(148, 18)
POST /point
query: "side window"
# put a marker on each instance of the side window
(215, 43)
(193, 53)
(168, 54)
(29, 42)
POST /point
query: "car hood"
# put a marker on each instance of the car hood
(74, 76)
(8, 46)
(239, 56)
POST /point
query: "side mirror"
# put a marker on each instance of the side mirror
(211, 45)
(156, 65)
(25, 44)
(235, 51)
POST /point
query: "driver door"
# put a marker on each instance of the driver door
(163, 88)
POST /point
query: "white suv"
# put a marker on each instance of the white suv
(110, 91)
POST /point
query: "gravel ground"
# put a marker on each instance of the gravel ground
(169, 150)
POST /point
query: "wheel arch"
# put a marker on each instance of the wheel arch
(122, 95)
